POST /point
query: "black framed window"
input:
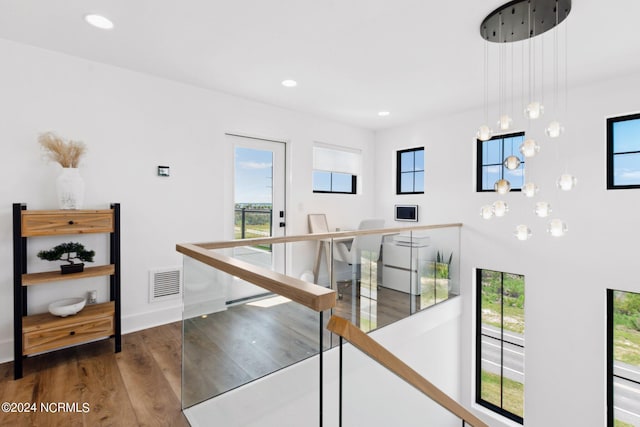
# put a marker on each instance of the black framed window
(623, 152)
(490, 159)
(500, 343)
(410, 171)
(623, 358)
(334, 182)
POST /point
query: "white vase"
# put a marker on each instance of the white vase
(70, 186)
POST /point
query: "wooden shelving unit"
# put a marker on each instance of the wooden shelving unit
(37, 333)
(55, 276)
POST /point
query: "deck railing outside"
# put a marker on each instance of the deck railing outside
(252, 222)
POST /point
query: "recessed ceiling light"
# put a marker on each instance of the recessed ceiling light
(289, 83)
(99, 21)
(383, 113)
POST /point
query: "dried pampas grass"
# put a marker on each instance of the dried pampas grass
(66, 153)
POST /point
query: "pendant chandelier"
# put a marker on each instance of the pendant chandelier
(521, 23)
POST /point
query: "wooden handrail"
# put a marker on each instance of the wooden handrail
(377, 352)
(317, 298)
(320, 236)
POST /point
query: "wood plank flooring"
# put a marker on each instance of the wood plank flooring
(227, 349)
(138, 387)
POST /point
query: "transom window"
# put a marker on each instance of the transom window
(500, 343)
(623, 152)
(410, 171)
(490, 162)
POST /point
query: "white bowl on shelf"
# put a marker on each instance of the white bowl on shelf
(67, 307)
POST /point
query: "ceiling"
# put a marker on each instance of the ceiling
(351, 58)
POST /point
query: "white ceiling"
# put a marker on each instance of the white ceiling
(351, 58)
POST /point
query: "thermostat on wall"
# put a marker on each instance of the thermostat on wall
(163, 170)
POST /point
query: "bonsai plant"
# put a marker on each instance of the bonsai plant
(69, 252)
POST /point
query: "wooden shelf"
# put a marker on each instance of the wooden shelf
(52, 223)
(56, 276)
(43, 332)
(47, 320)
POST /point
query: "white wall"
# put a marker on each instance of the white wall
(132, 123)
(566, 278)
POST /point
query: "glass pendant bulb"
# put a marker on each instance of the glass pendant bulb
(529, 148)
(486, 212)
(511, 163)
(522, 232)
(502, 186)
(543, 209)
(500, 208)
(505, 122)
(554, 130)
(557, 228)
(484, 133)
(529, 189)
(566, 182)
(534, 110)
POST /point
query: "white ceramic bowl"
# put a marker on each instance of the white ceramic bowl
(67, 307)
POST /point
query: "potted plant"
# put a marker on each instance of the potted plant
(442, 276)
(69, 252)
(442, 265)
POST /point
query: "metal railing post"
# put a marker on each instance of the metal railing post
(271, 222)
(340, 386)
(321, 367)
(242, 228)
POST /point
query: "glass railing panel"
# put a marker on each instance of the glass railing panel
(435, 260)
(359, 274)
(372, 395)
(383, 278)
(310, 260)
(227, 345)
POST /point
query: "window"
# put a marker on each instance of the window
(491, 155)
(623, 358)
(623, 152)
(500, 343)
(335, 169)
(410, 171)
(334, 182)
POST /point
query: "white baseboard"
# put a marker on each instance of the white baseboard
(149, 319)
(130, 323)
(6, 351)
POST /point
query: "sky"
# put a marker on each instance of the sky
(253, 175)
(627, 140)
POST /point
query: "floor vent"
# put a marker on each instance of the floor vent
(165, 284)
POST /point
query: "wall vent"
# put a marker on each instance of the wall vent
(165, 284)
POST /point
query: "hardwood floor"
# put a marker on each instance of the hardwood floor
(227, 349)
(138, 387)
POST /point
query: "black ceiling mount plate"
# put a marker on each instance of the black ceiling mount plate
(513, 17)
